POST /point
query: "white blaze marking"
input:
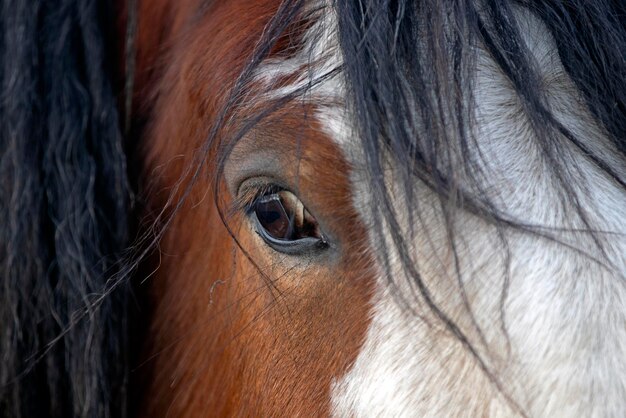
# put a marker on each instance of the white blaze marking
(565, 314)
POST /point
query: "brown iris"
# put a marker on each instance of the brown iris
(283, 217)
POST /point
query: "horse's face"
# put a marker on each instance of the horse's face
(288, 294)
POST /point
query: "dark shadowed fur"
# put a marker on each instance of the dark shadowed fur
(63, 197)
(63, 211)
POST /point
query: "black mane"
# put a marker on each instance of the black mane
(64, 209)
(386, 72)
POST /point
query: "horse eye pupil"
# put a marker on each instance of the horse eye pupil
(273, 217)
(283, 216)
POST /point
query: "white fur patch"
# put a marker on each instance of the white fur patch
(565, 313)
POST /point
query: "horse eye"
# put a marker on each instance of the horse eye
(285, 224)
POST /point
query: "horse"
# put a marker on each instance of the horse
(312, 208)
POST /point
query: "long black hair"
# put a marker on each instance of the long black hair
(407, 55)
(64, 204)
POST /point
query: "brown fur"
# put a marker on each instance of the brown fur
(223, 338)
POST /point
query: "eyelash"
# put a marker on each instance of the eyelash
(250, 195)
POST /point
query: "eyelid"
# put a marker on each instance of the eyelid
(301, 246)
